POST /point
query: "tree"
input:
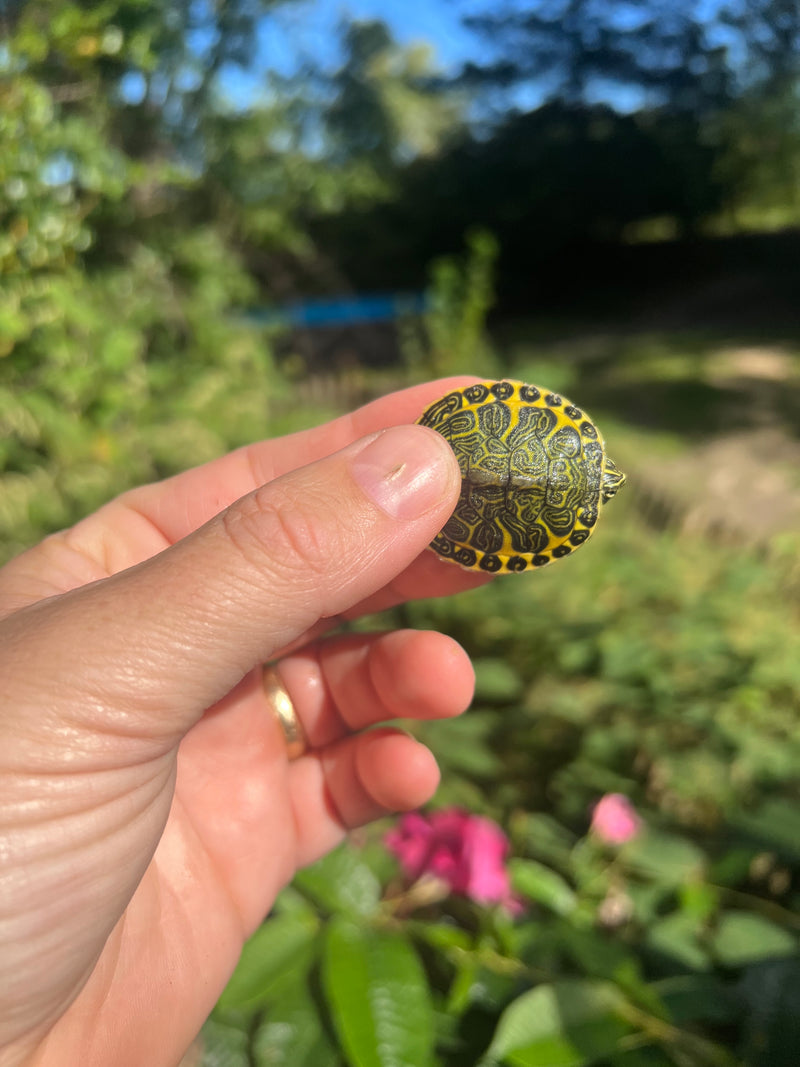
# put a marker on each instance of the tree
(388, 106)
(646, 53)
(121, 358)
(761, 162)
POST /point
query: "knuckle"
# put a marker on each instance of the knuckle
(299, 538)
(276, 531)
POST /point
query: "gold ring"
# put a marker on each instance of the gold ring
(284, 711)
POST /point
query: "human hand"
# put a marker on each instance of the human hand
(148, 813)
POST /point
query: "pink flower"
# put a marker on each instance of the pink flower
(614, 819)
(466, 852)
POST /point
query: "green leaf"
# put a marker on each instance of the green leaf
(699, 899)
(463, 986)
(648, 899)
(597, 955)
(775, 825)
(668, 858)
(224, 1045)
(675, 936)
(293, 1034)
(496, 681)
(440, 935)
(742, 938)
(290, 902)
(340, 882)
(544, 837)
(543, 885)
(465, 747)
(692, 997)
(282, 946)
(563, 1024)
(378, 995)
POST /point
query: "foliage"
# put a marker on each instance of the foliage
(655, 665)
(92, 403)
(142, 209)
(652, 665)
(651, 122)
(637, 954)
(452, 336)
(666, 55)
(384, 110)
(120, 359)
(732, 71)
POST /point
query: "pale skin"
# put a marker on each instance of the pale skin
(148, 812)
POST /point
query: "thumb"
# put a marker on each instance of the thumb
(155, 645)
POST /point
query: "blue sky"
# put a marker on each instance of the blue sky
(307, 29)
(311, 25)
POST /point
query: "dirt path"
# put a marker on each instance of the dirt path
(743, 487)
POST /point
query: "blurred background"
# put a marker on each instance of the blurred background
(227, 219)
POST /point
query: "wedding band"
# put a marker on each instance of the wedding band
(284, 711)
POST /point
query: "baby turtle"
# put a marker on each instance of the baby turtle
(534, 475)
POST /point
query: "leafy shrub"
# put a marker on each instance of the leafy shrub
(654, 666)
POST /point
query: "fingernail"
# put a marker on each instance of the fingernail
(405, 470)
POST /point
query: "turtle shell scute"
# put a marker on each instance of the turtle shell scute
(532, 465)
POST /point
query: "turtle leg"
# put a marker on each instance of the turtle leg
(613, 480)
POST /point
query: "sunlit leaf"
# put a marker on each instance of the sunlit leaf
(542, 885)
(279, 948)
(742, 937)
(667, 857)
(677, 937)
(563, 1024)
(378, 996)
(224, 1045)
(340, 882)
(292, 1034)
(775, 825)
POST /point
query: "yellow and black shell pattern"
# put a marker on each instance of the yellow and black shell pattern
(534, 476)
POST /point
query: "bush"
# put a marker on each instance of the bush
(649, 665)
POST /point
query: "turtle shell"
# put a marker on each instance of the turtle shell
(534, 475)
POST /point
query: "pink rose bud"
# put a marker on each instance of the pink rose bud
(614, 819)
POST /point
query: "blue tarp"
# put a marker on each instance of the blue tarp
(342, 310)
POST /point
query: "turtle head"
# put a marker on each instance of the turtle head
(613, 480)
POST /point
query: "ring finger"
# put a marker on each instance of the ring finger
(346, 684)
